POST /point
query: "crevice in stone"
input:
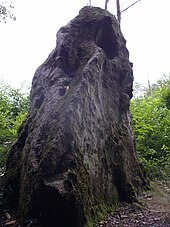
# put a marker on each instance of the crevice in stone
(106, 39)
(54, 209)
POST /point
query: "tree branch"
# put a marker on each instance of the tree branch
(130, 6)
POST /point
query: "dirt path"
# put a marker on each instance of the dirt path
(154, 210)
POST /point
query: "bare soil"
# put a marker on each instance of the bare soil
(153, 210)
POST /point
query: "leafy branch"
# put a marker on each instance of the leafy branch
(6, 11)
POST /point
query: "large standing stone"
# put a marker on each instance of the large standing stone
(74, 158)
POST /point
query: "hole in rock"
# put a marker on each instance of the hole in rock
(52, 209)
(106, 39)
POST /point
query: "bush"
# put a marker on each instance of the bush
(151, 124)
(13, 109)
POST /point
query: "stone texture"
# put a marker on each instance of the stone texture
(74, 158)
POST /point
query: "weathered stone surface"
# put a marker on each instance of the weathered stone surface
(74, 158)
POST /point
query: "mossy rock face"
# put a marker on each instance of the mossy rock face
(75, 158)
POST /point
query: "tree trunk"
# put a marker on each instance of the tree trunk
(118, 10)
(106, 2)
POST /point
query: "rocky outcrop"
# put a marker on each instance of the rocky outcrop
(74, 158)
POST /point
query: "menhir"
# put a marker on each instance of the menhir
(74, 158)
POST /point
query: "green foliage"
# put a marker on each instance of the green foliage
(151, 124)
(13, 109)
(6, 11)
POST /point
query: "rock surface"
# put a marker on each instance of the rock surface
(74, 158)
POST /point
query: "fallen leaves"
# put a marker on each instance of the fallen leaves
(11, 223)
(8, 220)
(154, 211)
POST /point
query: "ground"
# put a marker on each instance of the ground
(153, 210)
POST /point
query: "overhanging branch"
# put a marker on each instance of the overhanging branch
(130, 6)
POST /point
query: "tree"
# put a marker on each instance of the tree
(6, 11)
(151, 124)
(13, 109)
(119, 11)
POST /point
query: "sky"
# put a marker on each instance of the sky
(26, 43)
